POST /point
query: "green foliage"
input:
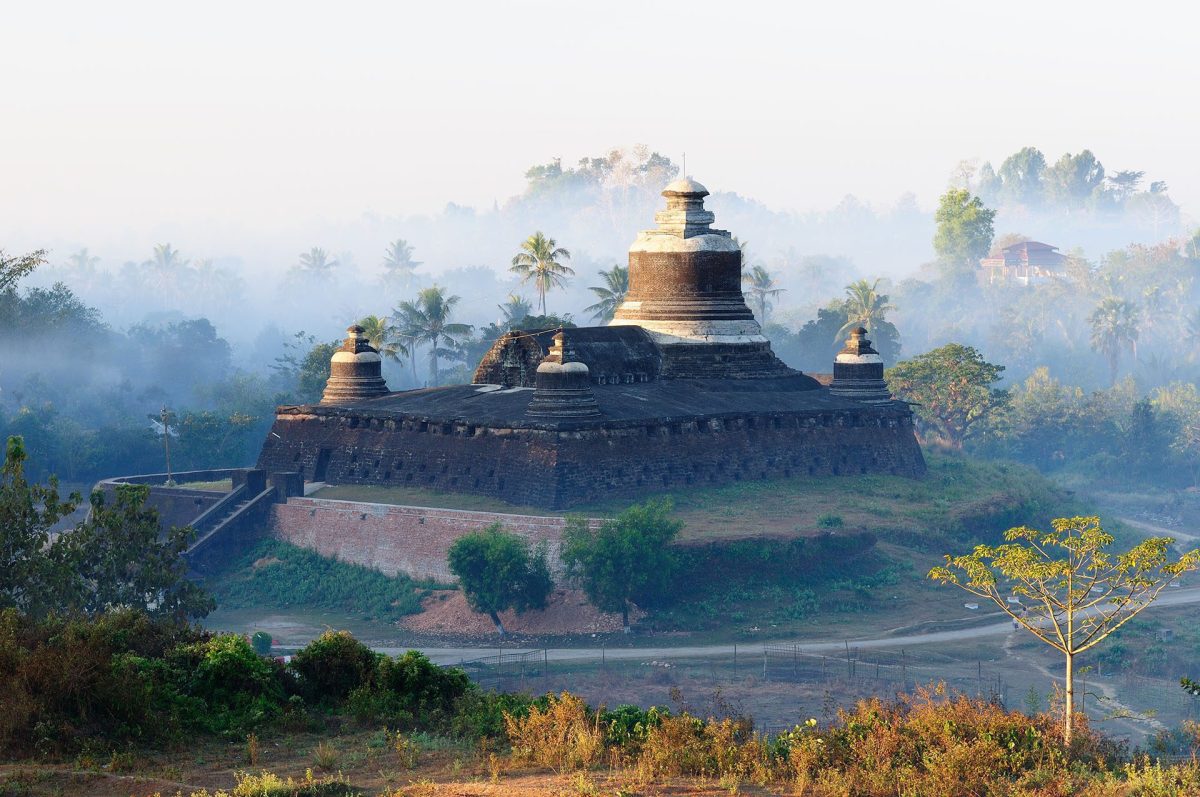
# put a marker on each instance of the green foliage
(409, 691)
(426, 322)
(952, 388)
(13, 269)
(830, 521)
(333, 665)
(1074, 593)
(261, 642)
(275, 574)
(626, 560)
(611, 294)
(117, 557)
(964, 229)
(538, 262)
(498, 570)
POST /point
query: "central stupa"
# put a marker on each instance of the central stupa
(685, 290)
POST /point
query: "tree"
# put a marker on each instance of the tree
(537, 262)
(315, 264)
(118, 557)
(398, 264)
(1021, 176)
(1078, 593)
(498, 570)
(865, 306)
(626, 559)
(964, 232)
(515, 310)
(14, 269)
(382, 337)
(427, 321)
(762, 287)
(610, 294)
(29, 578)
(951, 387)
(1114, 325)
(1074, 179)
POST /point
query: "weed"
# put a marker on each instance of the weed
(325, 756)
(252, 750)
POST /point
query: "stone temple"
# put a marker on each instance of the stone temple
(680, 389)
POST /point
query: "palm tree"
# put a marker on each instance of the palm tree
(398, 264)
(610, 294)
(83, 263)
(382, 337)
(515, 309)
(865, 306)
(316, 262)
(165, 266)
(762, 287)
(427, 320)
(538, 261)
(1114, 328)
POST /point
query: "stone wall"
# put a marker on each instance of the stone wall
(556, 469)
(398, 539)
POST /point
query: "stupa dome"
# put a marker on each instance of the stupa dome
(355, 370)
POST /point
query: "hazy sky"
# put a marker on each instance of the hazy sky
(149, 119)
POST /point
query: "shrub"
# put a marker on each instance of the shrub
(564, 735)
(830, 521)
(333, 665)
(261, 642)
(241, 689)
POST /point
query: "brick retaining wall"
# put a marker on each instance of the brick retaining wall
(398, 539)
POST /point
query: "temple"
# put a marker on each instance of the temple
(682, 388)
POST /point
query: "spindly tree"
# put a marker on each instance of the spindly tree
(762, 288)
(13, 269)
(964, 231)
(1114, 325)
(498, 570)
(865, 306)
(610, 294)
(625, 560)
(1072, 591)
(952, 388)
(538, 262)
(426, 321)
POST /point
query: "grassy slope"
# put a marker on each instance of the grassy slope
(957, 494)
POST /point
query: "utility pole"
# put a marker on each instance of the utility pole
(165, 417)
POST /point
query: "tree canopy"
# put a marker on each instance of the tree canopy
(1072, 593)
(626, 559)
(498, 570)
(951, 388)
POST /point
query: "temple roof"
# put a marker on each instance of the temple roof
(656, 402)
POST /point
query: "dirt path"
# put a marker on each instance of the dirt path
(1161, 531)
(457, 654)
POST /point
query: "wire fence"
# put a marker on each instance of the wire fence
(851, 674)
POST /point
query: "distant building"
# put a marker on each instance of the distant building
(1026, 263)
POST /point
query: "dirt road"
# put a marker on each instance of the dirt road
(1175, 597)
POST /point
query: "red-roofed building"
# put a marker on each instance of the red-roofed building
(1026, 263)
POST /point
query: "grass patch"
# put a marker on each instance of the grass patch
(959, 498)
(218, 485)
(274, 574)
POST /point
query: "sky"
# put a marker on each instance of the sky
(127, 122)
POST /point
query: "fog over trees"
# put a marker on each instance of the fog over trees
(94, 342)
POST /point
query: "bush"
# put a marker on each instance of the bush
(564, 735)
(241, 689)
(830, 521)
(261, 642)
(333, 665)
